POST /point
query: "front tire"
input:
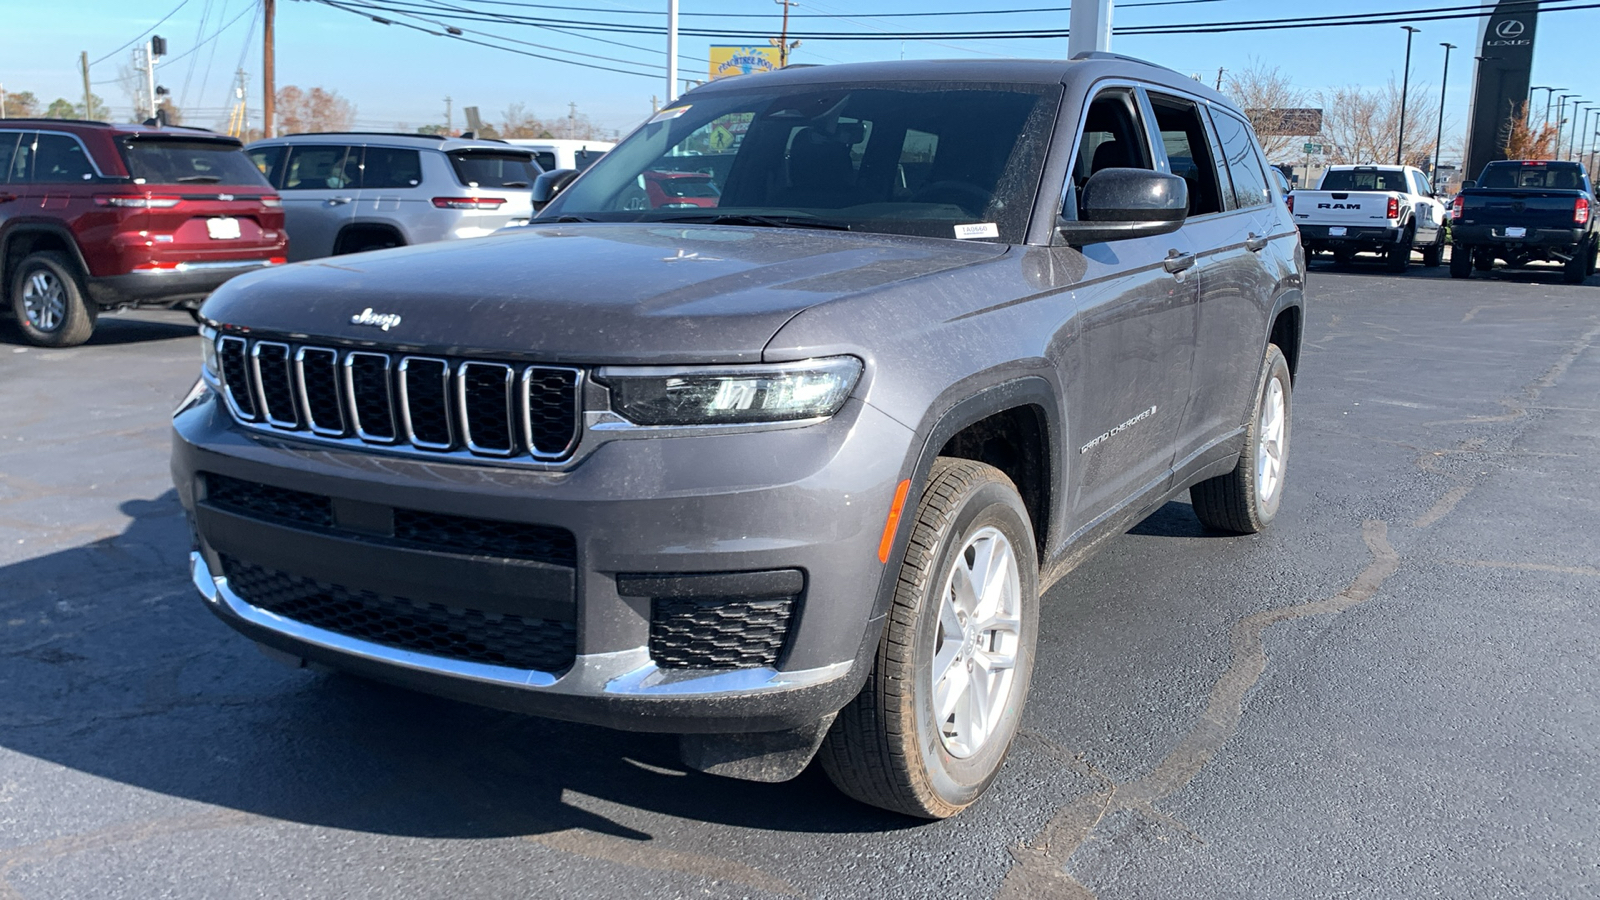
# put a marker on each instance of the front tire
(48, 300)
(935, 721)
(1246, 500)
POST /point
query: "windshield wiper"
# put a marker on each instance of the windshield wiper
(518, 184)
(760, 220)
(199, 179)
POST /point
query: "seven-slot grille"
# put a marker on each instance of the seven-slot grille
(476, 407)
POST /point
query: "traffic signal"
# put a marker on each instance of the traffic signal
(158, 45)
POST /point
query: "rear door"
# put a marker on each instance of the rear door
(392, 191)
(320, 184)
(10, 199)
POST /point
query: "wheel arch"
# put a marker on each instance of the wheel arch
(351, 229)
(1287, 330)
(20, 239)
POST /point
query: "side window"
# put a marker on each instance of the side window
(389, 167)
(1188, 149)
(315, 167)
(545, 158)
(1112, 137)
(1244, 164)
(267, 159)
(1423, 187)
(60, 159)
(8, 155)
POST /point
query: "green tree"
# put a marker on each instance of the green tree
(61, 108)
(174, 114)
(98, 110)
(433, 129)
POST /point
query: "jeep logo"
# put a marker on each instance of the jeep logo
(1338, 206)
(385, 321)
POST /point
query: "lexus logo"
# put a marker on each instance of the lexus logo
(1510, 28)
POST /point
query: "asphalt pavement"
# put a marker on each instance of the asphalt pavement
(1391, 693)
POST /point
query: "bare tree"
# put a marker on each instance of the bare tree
(1263, 91)
(1362, 126)
(519, 122)
(308, 112)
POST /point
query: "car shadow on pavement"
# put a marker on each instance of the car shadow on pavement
(1549, 274)
(1175, 519)
(110, 665)
(111, 329)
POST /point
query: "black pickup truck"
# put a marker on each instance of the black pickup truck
(1522, 211)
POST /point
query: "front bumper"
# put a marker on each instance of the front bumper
(811, 499)
(188, 284)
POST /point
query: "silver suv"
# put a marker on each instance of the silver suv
(349, 192)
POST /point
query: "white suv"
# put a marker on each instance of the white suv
(349, 192)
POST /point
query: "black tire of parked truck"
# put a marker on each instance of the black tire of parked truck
(1483, 260)
(1579, 266)
(1433, 254)
(891, 747)
(1398, 258)
(1342, 257)
(1246, 500)
(1460, 261)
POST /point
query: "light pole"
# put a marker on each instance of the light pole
(672, 51)
(1438, 140)
(1571, 141)
(1561, 107)
(1547, 98)
(1405, 84)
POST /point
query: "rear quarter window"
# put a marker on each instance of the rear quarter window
(494, 170)
(1244, 163)
(391, 167)
(190, 162)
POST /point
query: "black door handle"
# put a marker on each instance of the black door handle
(1255, 243)
(1177, 262)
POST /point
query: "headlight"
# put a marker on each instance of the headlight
(731, 395)
(208, 353)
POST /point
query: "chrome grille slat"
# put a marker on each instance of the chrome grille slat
(424, 405)
(269, 366)
(483, 395)
(317, 382)
(425, 402)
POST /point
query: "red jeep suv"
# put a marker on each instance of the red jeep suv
(96, 216)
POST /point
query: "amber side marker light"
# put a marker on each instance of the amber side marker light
(893, 524)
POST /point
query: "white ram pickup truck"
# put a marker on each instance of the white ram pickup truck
(1387, 210)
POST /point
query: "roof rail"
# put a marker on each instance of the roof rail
(437, 137)
(10, 119)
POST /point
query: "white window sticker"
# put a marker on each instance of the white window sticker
(977, 230)
(671, 112)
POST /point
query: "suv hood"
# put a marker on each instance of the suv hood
(585, 293)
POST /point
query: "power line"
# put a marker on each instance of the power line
(142, 33)
(213, 36)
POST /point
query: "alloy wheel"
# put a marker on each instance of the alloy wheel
(44, 300)
(1270, 430)
(975, 650)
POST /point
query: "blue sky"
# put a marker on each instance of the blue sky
(397, 76)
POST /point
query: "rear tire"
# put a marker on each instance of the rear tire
(1577, 268)
(935, 721)
(1460, 261)
(47, 298)
(1398, 258)
(1433, 254)
(1246, 500)
(1482, 261)
(1342, 258)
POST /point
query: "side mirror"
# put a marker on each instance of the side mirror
(1468, 184)
(1118, 204)
(548, 185)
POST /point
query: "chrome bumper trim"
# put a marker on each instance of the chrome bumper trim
(624, 673)
(210, 266)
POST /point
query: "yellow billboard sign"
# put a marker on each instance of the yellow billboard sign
(729, 61)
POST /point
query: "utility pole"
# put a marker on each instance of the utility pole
(150, 74)
(672, 51)
(1089, 27)
(88, 102)
(572, 120)
(783, 35)
(1220, 70)
(449, 118)
(268, 69)
(1405, 85)
(1438, 140)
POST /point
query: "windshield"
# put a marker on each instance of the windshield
(1364, 180)
(915, 158)
(477, 168)
(190, 162)
(1556, 176)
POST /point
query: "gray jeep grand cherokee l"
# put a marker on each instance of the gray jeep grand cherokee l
(787, 475)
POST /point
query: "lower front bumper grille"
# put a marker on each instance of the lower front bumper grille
(462, 634)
